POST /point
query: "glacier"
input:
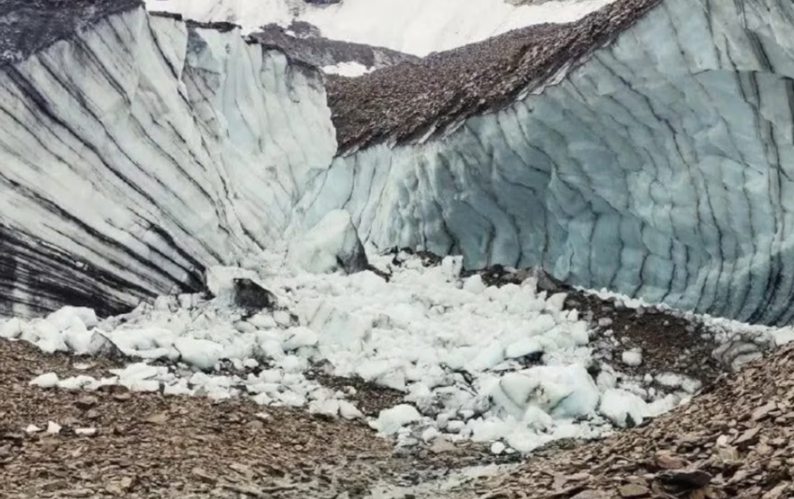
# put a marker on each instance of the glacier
(660, 167)
(175, 146)
(657, 165)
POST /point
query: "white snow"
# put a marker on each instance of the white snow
(412, 26)
(351, 69)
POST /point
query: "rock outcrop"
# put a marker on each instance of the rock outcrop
(302, 41)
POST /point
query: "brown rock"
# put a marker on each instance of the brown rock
(686, 479)
(763, 411)
(159, 419)
(202, 475)
(122, 396)
(748, 437)
(778, 492)
(668, 461)
(86, 402)
(634, 490)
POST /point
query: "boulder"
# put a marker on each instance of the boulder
(251, 296)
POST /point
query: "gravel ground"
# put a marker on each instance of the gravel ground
(737, 435)
(149, 445)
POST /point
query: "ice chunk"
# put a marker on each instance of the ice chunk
(49, 380)
(348, 411)
(331, 245)
(299, 337)
(623, 408)
(69, 316)
(11, 329)
(391, 420)
(498, 448)
(474, 284)
(523, 347)
(781, 337)
(203, 354)
(632, 358)
(561, 391)
(220, 279)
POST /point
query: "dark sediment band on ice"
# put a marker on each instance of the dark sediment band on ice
(126, 169)
(658, 163)
(29, 26)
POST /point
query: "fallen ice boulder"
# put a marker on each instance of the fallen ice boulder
(203, 354)
(331, 245)
(391, 420)
(561, 391)
(623, 408)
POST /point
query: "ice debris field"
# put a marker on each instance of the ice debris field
(503, 365)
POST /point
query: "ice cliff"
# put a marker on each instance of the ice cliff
(137, 150)
(646, 148)
(659, 165)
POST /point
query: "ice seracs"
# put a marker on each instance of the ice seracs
(192, 142)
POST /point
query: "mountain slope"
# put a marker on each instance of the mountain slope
(415, 27)
(658, 165)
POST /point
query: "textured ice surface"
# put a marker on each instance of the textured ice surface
(661, 167)
(411, 26)
(173, 149)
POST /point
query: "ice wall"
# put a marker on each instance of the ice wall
(661, 167)
(141, 150)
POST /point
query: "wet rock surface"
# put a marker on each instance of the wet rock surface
(251, 296)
